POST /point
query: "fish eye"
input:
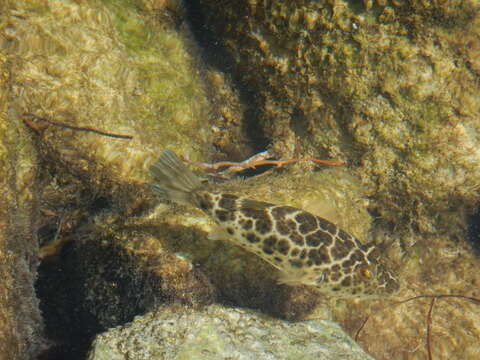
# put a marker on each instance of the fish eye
(365, 273)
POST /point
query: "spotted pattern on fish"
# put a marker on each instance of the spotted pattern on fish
(307, 249)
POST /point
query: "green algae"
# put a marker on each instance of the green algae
(170, 86)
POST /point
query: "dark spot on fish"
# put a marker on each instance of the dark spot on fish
(343, 236)
(319, 256)
(283, 247)
(270, 241)
(268, 250)
(339, 251)
(319, 237)
(349, 244)
(269, 244)
(205, 202)
(279, 212)
(297, 239)
(254, 209)
(303, 254)
(252, 238)
(230, 231)
(277, 259)
(228, 202)
(358, 256)
(295, 252)
(347, 263)
(327, 225)
(307, 222)
(295, 263)
(221, 215)
(253, 213)
(346, 282)
(286, 227)
(263, 225)
(246, 224)
(282, 228)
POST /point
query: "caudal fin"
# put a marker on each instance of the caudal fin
(173, 180)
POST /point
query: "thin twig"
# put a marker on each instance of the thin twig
(254, 161)
(77, 128)
(289, 161)
(361, 327)
(429, 324)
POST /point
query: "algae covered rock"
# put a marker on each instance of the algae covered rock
(217, 333)
(387, 86)
(104, 66)
(330, 79)
(391, 88)
(81, 69)
(21, 325)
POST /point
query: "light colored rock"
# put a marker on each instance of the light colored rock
(216, 333)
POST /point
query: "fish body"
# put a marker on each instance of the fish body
(307, 249)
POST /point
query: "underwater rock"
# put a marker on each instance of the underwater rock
(86, 68)
(389, 87)
(111, 286)
(111, 68)
(176, 332)
(108, 66)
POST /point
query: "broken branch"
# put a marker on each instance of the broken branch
(254, 161)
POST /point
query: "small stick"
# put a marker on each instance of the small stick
(77, 128)
(429, 324)
(257, 160)
(289, 161)
(361, 327)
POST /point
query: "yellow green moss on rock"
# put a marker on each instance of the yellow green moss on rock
(111, 68)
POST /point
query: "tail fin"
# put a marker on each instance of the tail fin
(174, 181)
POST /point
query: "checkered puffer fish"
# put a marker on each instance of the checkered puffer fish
(307, 249)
